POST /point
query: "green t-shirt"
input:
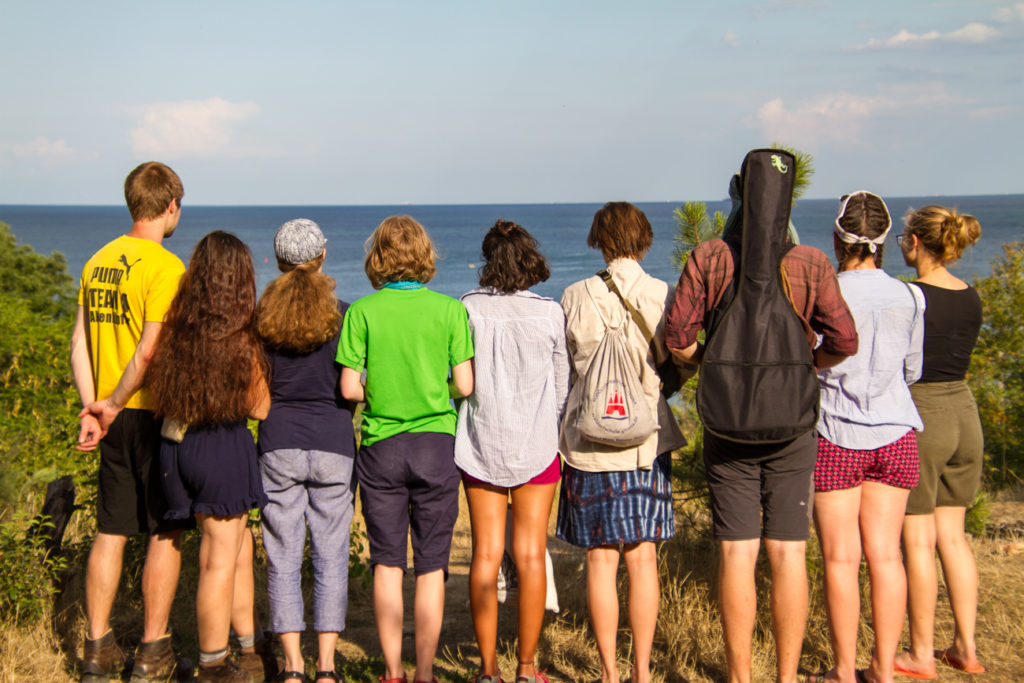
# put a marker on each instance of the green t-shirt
(408, 340)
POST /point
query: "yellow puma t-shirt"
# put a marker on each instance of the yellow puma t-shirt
(127, 283)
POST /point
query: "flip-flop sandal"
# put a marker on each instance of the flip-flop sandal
(897, 669)
(949, 659)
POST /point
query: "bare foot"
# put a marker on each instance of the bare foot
(907, 665)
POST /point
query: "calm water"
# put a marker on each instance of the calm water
(561, 229)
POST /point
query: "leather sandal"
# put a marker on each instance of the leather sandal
(285, 675)
(330, 675)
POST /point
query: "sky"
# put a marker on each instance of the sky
(452, 102)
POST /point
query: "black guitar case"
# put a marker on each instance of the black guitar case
(757, 379)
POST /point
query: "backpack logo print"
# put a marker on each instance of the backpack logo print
(616, 407)
(777, 163)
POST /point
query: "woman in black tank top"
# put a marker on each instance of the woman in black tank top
(950, 447)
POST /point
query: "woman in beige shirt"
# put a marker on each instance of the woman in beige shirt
(610, 495)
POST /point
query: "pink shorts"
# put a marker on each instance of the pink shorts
(895, 464)
(551, 474)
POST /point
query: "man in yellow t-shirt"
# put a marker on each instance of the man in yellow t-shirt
(126, 290)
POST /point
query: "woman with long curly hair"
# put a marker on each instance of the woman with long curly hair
(307, 446)
(209, 374)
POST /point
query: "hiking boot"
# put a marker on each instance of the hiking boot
(223, 671)
(259, 661)
(101, 659)
(155, 661)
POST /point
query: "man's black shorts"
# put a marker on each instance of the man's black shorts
(131, 498)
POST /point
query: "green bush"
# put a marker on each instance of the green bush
(29, 575)
(997, 367)
(38, 425)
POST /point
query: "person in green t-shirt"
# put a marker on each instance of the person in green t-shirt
(416, 348)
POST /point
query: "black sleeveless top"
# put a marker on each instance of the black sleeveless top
(952, 321)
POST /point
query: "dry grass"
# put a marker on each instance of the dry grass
(688, 643)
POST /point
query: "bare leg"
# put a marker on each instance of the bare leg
(428, 616)
(737, 601)
(291, 645)
(388, 608)
(961, 575)
(922, 589)
(160, 582)
(243, 604)
(603, 599)
(531, 508)
(487, 508)
(326, 642)
(218, 555)
(836, 517)
(642, 566)
(881, 518)
(102, 575)
(789, 603)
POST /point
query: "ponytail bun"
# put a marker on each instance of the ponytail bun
(943, 231)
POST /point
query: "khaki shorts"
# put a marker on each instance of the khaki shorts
(951, 447)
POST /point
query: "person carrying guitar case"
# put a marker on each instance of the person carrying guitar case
(762, 302)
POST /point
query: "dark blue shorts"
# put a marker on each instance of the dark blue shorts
(213, 471)
(409, 482)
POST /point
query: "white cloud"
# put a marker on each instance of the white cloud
(45, 149)
(193, 128)
(834, 118)
(1007, 15)
(731, 39)
(842, 117)
(972, 34)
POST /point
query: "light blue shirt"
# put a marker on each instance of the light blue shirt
(508, 427)
(865, 400)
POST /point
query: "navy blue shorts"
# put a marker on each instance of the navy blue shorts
(213, 471)
(409, 482)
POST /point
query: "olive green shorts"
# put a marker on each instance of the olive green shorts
(951, 447)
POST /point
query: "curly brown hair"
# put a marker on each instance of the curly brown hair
(513, 261)
(208, 358)
(399, 249)
(298, 311)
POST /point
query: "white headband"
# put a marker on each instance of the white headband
(848, 237)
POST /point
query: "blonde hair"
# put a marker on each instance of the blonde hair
(942, 231)
(399, 249)
(298, 312)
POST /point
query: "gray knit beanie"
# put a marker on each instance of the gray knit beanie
(298, 241)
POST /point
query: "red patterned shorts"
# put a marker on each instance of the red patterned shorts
(895, 464)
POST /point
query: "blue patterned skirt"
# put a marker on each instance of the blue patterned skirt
(609, 508)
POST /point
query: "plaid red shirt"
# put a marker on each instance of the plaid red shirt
(813, 286)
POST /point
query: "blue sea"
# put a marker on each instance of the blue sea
(457, 230)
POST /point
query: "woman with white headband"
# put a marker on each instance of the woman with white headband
(867, 449)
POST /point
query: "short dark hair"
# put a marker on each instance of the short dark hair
(150, 188)
(513, 261)
(620, 230)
